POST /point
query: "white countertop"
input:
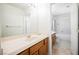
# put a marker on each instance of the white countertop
(13, 45)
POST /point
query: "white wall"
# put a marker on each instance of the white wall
(0, 27)
(14, 18)
(74, 29)
(0, 20)
(34, 20)
(1, 51)
(40, 18)
(44, 18)
(60, 8)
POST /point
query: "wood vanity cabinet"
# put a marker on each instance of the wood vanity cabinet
(53, 39)
(44, 49)
(25, 52)
(36, 47)
(41, 48)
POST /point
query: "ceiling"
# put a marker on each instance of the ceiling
(57, 8)
(60, 8)
(21, 5)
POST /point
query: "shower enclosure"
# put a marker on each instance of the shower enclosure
(62, 23)
(65, 24)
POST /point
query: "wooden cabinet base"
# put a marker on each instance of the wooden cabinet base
(40, 48)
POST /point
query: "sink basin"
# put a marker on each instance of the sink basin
(34, 36)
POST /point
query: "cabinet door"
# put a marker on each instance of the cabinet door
(36, 53)
(43, 50)
(46, 45)
(36, 47)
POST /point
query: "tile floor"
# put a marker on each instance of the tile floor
(62, 47)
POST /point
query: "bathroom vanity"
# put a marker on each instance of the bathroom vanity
(36, 44)
(40, 48)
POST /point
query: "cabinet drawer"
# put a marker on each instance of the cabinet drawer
(25, 52)
(36, 47)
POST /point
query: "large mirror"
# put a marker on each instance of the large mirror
(24, 18)
(14, 18)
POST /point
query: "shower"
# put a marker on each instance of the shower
(61, 24)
